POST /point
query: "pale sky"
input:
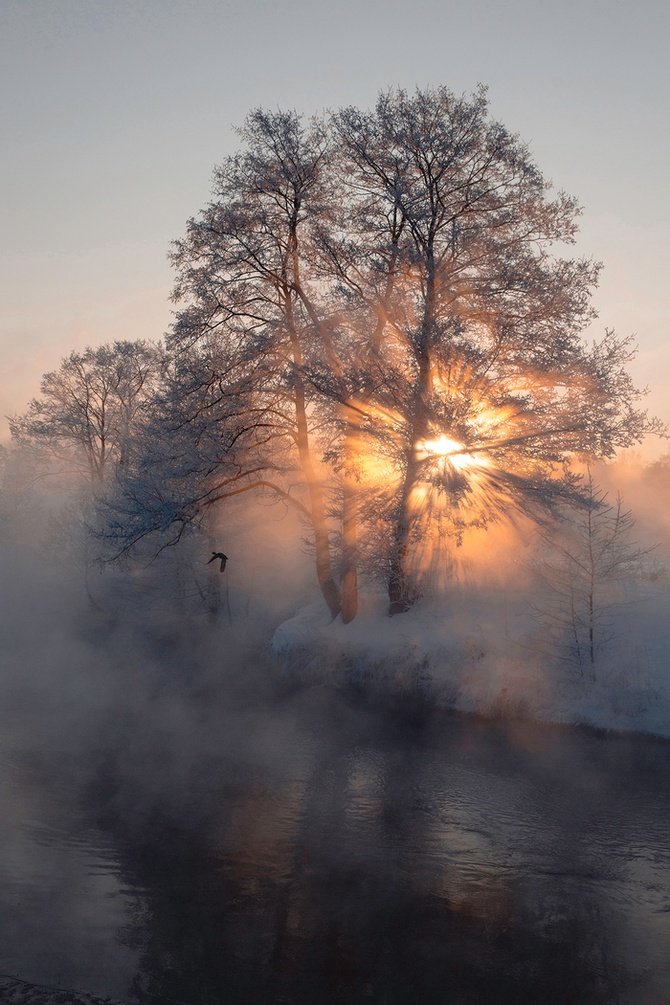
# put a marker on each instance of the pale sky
(114, 113)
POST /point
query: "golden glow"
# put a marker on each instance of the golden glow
(456, 453)
(454, 486)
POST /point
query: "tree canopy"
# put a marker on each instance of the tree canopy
(379, 323)
(88, 408)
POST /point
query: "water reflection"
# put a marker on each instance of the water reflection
(439, 859)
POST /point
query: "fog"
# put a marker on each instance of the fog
(134, 660)
(161, 660)
(172, 784)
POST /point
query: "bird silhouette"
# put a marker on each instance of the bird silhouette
(218, 554)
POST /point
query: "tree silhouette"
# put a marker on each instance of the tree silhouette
(587, 559)
(376, 326)
(85, 416)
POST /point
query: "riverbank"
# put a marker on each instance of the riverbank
(485, 654)
(17, 992)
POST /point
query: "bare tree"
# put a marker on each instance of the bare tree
(243, 274)
(585, 561)
(376, 326)
(485, 388)
(87, 409)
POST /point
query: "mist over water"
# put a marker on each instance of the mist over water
(303, 845)
(186, 820)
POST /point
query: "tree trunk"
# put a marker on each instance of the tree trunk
(349, 578)
(324, 564)
(402, 592)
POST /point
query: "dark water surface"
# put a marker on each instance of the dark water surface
(323, 849)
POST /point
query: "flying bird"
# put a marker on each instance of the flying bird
(218, 554)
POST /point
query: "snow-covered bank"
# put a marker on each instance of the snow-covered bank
(482, 654)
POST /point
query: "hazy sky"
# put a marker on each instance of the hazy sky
(114, 113)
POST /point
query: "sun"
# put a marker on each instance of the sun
(456, 453)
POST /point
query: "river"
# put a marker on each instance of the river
(327, 847)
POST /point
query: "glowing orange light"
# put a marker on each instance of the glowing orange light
(455, 452)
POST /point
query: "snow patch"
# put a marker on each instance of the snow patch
(477, 654)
